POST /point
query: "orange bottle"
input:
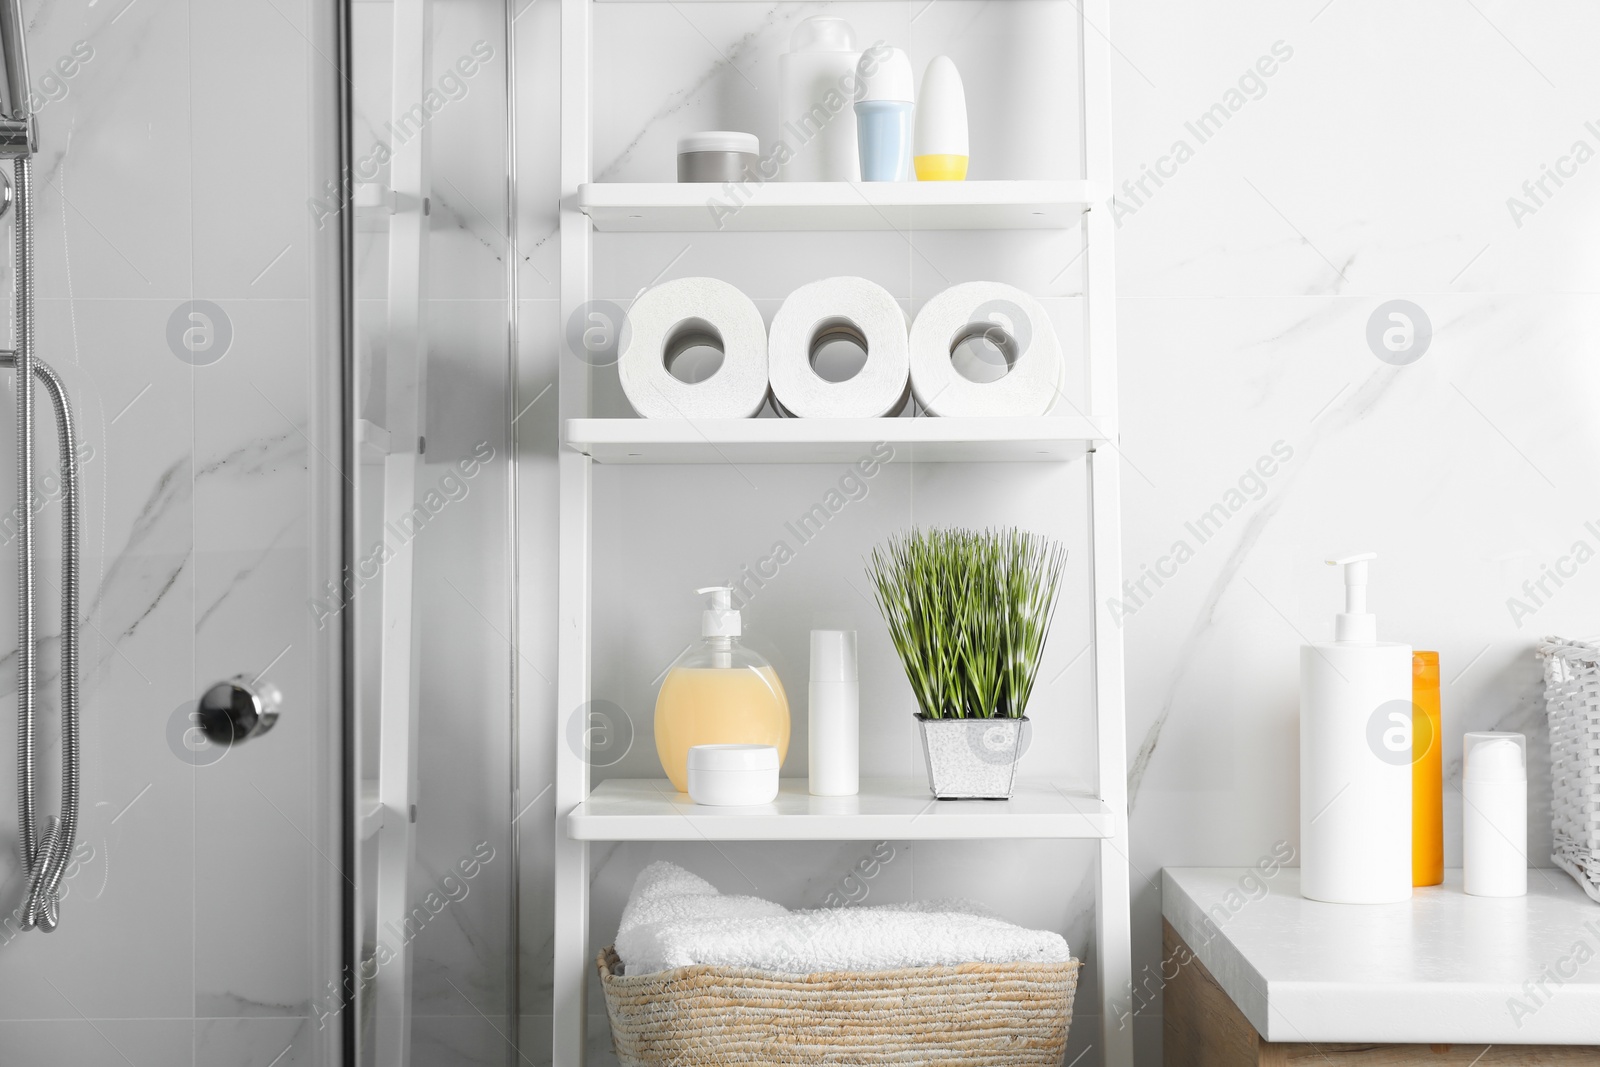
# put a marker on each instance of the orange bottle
(1427, 786)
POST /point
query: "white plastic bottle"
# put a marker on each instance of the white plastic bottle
(834, 736)
(939, 153)
(1494, 814)
(817, 84)
(1355, 758)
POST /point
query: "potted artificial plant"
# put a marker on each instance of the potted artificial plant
(968, 613)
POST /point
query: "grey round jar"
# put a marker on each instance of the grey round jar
(717, 156)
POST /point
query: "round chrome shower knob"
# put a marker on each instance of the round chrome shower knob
(236, 709)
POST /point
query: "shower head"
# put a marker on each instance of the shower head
(18, 128)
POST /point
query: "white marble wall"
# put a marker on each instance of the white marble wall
(176, 159)
(1374, 164)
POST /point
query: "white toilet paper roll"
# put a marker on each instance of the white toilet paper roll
(839, 309)
(682, 313)
(1017, 326)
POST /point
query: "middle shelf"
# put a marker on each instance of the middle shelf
(950, 440)
(886, 809)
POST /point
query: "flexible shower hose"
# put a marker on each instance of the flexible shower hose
(46, 856)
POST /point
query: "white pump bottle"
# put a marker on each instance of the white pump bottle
(1355, 757)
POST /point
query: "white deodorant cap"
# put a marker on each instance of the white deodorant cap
(885, 74)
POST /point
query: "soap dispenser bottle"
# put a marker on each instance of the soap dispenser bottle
(1355, 757)
(718, 693)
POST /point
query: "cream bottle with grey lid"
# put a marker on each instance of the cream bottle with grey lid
(717, 156)
(834, 724)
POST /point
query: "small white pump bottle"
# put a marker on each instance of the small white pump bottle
(1355, 757)
(1494, 815)
(834, 735)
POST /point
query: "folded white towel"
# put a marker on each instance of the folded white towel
(676, 919)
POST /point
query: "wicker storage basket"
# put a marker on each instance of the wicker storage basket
(1572, 701)
(970, 1015)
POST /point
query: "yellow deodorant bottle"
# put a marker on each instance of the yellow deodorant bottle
(940, 149)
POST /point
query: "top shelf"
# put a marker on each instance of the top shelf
(660, 207)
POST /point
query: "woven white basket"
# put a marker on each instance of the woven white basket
(1572, 701)
(963, 1015)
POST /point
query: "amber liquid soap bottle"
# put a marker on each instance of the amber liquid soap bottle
(718, 693)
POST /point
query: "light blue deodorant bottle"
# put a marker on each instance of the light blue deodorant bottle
(884, 113)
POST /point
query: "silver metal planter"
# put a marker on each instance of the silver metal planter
(972, 759)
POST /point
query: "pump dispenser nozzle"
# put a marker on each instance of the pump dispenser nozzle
(1355, 625)
(720, 619)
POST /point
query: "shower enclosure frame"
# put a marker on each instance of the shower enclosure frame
(337, 81)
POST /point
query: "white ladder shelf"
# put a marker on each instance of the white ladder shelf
(625, 810)
(386, 801)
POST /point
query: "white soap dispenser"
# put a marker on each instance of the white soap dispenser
(1355, 757)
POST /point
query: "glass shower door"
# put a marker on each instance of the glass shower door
(188, 271)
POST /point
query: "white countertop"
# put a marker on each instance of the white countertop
(1442, 967)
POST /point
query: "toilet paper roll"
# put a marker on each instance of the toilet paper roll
(1014, 322)
(847, 308)
(675, 315)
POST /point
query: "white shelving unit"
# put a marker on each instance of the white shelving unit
(390, 456)
(886, 809)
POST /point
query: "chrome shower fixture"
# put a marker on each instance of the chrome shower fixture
(46, 854)
(19, 130)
